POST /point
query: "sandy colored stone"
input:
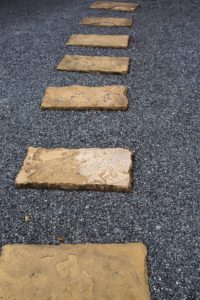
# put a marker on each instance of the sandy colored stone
(122, 6)
(74, 272)
(101, 64)
(82, 98)
(98, 40)
(106, 169)
(110, 22)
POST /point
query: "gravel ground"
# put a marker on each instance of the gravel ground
(161, 125)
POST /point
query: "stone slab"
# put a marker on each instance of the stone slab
(108, 22)
(95, 40)
(121, 6)
(83, 98)
(74, 272)
(108, 169)
(101, 64)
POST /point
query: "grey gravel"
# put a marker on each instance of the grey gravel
(162, 125)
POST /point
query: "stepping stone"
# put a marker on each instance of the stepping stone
(74, 272)
(94, 40)
(102, 64)
(110, 22)
(108, 169)
(122, 6)
(82, 98)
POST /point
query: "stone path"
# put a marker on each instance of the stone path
(79, 97)
(121, 6)
(97, 40)
(107, 22)
(74, 272)
(161, 124)
(102, 64)
(80, 271)
(77, 169)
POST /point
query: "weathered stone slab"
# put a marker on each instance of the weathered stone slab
(122, 6)
(102, 64)
(94, 40)
(106, 169)
(74, 272)
(82, 98)
(110, 22)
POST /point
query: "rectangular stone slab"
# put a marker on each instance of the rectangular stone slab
(108, 22)
(95, 40)
(74, 272)
(82, 98)
(121, 6)
(101, 64)
(106, 169)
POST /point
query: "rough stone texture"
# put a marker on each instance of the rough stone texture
(122, 6)
(110, 22)
(74, 272)
(102, 64)
(106, 169)
(82, 98)
(95, 40)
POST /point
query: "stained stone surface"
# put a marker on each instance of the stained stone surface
(74, 272)
(102, 64)
(107, 21)
(95, 40)
(106, 169)
(122, 6)
(82, 97)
